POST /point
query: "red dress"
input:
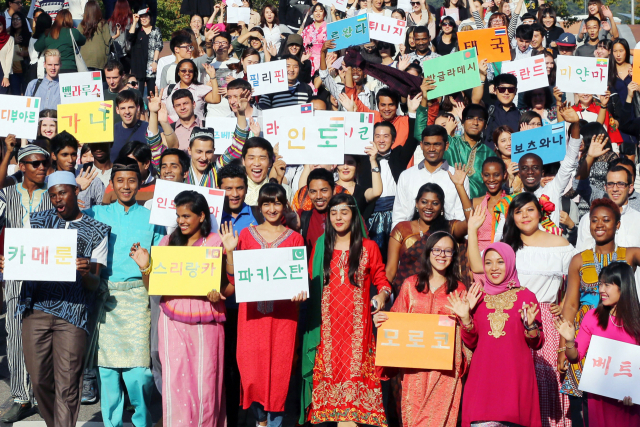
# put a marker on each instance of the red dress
(266, 335)
(502, 383)
(345, 384)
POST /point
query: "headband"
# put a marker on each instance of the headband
(47, 118)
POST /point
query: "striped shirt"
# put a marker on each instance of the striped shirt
(16, 205)
(300, 93)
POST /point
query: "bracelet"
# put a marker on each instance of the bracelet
(467, 327)
(169, 134)
(531, 328)
(561, 350)
(146, 271)
(229, 263)
(574, 345)
(468, 209)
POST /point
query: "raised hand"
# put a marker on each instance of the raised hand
(372, 152)
(86, 177)
(459, 175)
(210, 69)
(459, 306)
(565, 328)
(474, 294)
(596, 149)
(229, 238)
(210, 34)
(483, 67)
(606, 12)
(348, 103)
(379, 318)
(254, 125)
(458, 108)
(450, 125)
(525, 126)
(426, 86)
(331, 58)
(153, 102)
(140, 255)
(271, 48)
(414, 103)
(569, 114)
(528, 313)
(404, 61)
(10, 142)
(329, 44)
(280, 167)
(557, 93)
(604, 99)
(243, 101)
(476, 219)
(163, 114)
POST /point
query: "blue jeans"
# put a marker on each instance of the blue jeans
(274, 419)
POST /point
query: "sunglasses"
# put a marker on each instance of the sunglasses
(446, 24)
(133, 83)
(414, 3)
(503, 89)
(37, 163)
(187, 71)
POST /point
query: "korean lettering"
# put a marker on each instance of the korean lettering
(443, 339)
(603, 363)
(625, 369)
(176, 267)
(40, 254)
(582, 72)
(391, 334)
(544, 143)
(327, 138)
(416, 337)
(266, 274)
(63, 255)
(296, 269)
(360, 28)
(519, 149)
(279, 76)
(293, 135)
(266, 77)
(255, 81)
(164, 201)
(105, 115)
(13, 252)
(498, 44)
(531, 146)
(192, 268)
(469, 44)
(160, 269)
(245, 275)
(524, 73)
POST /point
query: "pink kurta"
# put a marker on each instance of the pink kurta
(266, 336)
(502, 382)
(316, 37)
(485, 235)
(430, 398)
(604, 411)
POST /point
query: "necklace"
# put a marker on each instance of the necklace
(599, 263)
(420, 228)
(614, 323)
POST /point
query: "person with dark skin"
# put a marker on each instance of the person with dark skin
(423, 51)
(102, 160)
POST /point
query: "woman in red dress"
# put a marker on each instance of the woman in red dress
(338, 366)
(266, 329)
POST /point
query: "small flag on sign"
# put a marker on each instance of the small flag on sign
(366, 118)
(306, 108)
(600, 62)
(500, 32)
(539, 60)
(96, 75)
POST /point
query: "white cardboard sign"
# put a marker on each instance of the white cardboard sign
(268, 77)
(531, 72)
(19, 116)
(224, 128)
(358, 129)
(163, 209)
(578, 74)
(270, 274)
(238, 14)
(387, 29)
(311, 140)
(273, 118)
(81, 87)
(40, 254)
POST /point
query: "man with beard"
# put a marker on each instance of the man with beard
(423, 51)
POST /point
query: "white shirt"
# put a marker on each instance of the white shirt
(163, 62)
(389, 186)
(628, 235)
(541, 270)
(272, 35)
(76, 7)
(415, 177)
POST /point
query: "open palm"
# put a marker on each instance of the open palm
(229, 237)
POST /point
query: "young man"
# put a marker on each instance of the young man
(257, 158)
(131, 128)
(47, 89)
(537, 39)
(115, 83)
(16, 203)
(592, 25)
(101, 153)
(222, 49)
(64, 155)
(423, 52)
(298, 93)
(619, 186)
(321, 187)
(123, 342)
(469, 150)
(233, 180)
(503, 111)
(184, 106)
(56, 314)
(236, 89)
(566, 44)
(524, 35)
(434, 168)
(141, 153)
(182, 48)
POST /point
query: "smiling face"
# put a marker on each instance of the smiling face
(535, 122)
(128, 111)
(618, 187)
(602, 52)
(48, 127)
(171, 169)
(35, 173)
(272, 211)
(341, 217)
(592, 8)
(609, 294)
(65, 200)
(536, 40)
(188, 221)
(186, 73)
(422, 41)
(504, 144)
(549, 62)
(347, 171)
(433, 148)
(184, 108)
(201, 152)
(493, 176)
(530, 170)
(125, 185)
(383, 139)
(387, 108)
(318, 14)
(235, 192)
(473, 125)
(441, 261)
(603, 225)
(538, 98)
(494, 267)
(293, 70)
(319, 194)
(506, 93)
(256, 162)
(527, 218)
(196, 24)
(585, 99)
(429, 207)
(548, 21)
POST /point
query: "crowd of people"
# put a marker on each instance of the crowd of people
(530, 259)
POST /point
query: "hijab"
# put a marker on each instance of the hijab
(511, 275)
(4, 35)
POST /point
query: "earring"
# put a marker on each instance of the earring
(416, 209)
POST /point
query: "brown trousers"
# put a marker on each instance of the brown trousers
(54, 355)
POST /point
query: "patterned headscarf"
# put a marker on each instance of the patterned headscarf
(511, 275)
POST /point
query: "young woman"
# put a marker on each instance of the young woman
(95, 51)
(21, 38)
(603, 49)
(187, 78)
(543, 260)
(60, 37)
(255, 38)
(617, 317)
(620, 68)
(421, 16)
(48, 123)
(529, 120)
(192, 381)
(365, 197)
(550, 65)
(432, 397)
(270, 25)
(197, 26)
(582, 293)
(505, 321)
(6, 56)
(119, 25)
(250, 56)
(547, 17)
(447, 40)
(608, 28)
(146, 44)
(85, 154)
(541, 101)
(502, 141)
(315, 35)
(266, 330)
(399, 14)
(378, 7)
(408, 238)
(358, 7)
(387, 53)
(453, 8)
(338, 352)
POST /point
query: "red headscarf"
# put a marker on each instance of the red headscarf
(4, 34)
(511, 275)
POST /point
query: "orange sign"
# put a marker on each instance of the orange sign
(492, 43)
(636, 66)
(422, 341)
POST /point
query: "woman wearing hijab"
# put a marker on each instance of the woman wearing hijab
(502, 330)
(6, 56)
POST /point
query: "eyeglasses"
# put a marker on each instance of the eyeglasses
(503, 89)
(414, 3)
(446, 24)
(187, 47)
(187, 71)
(133, 83)
(221, 44)
(444, 252)
(37, 163)
(617, 184)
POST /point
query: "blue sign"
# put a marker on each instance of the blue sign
(548, 142)
(349, 32)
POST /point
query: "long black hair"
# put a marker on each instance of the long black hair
(512, 236)
(440, 223)
(355, 243)
(270, 193)
(197, 204)
(451, 273)
(627, 308)
(195, 72)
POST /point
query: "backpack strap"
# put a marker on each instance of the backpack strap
(305, 219)
(37, 86)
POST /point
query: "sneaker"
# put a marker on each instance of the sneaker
(89, 388)
(17, 412)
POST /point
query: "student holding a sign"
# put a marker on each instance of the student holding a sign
(616, 318)
(432, 397)
(56, 319)
(266, 329)
(298, 93)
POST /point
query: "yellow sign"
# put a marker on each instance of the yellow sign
(421, 341)
(185, 270)
(87, 121)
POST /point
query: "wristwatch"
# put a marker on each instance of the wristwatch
(376, 169)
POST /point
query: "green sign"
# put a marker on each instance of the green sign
(453, 73)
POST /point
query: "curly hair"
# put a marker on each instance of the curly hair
(606, 203)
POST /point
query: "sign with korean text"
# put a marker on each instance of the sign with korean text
(548, 142)
(358, 129)
(636, 66)
(268, 77)
(80, 87)
(40, 254)
(19, 116)
(273, 118)
(612, 369)
(185, 270)
(163, 209)
(492, 43)
(349, 32)
(531, 72)
(420, 341)
(88, 122)
(224, 128)
(311, 140)
(270, 274)
(455, 72)
(579, 74)
(238, 14)
(387, 29)
(340, 5)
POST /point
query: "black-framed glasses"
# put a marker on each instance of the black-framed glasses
(414, 3)
(503, 89)
(446, 24)
(37, 163)
(444, 252)
(186, 46)
(616, 184)
(133, 83)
